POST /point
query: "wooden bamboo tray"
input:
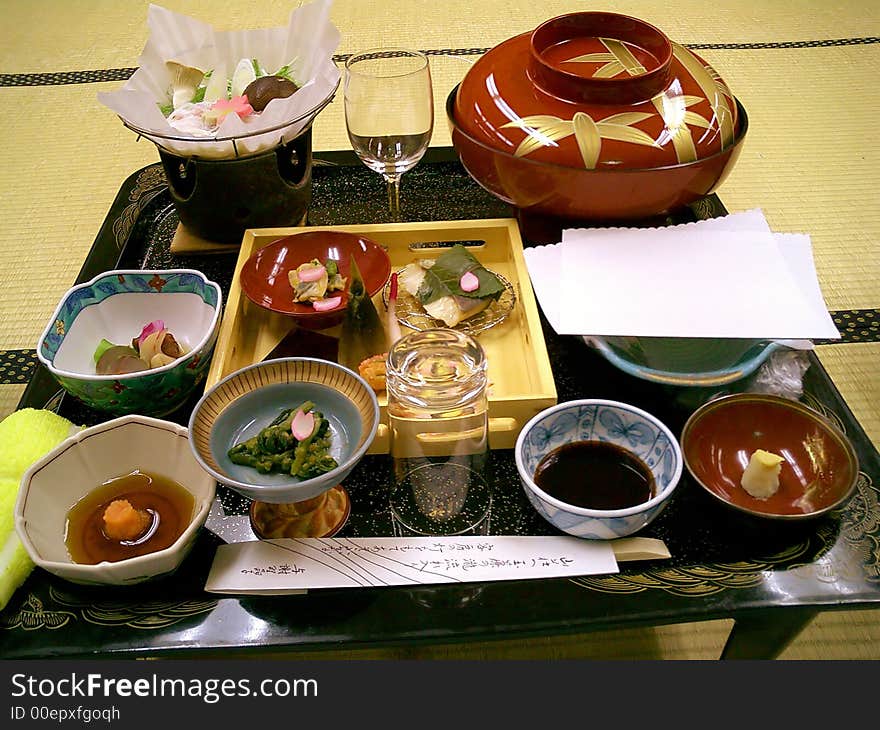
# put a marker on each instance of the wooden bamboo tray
(520, 377)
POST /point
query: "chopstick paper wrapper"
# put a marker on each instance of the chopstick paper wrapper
(279, 567)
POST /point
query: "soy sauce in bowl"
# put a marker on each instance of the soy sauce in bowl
(595, 475)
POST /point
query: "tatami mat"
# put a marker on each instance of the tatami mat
(814, 173)
(10, 395)
(855, 371)
(71, 35)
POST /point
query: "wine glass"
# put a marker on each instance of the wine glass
(389, 112)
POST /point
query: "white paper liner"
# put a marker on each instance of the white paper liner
(309, 37)
(557, 276)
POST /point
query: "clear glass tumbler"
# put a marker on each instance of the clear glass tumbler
(439, 434)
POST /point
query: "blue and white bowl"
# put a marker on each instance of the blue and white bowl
(115, 306)
(629, 427)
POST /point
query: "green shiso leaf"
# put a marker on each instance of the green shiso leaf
(443, 279)
(286, 71)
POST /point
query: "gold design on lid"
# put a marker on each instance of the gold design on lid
(717, 94)
(677, 119)
(544, 130)
(617, 60)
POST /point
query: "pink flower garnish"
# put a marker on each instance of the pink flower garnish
(157, 325)
(236, 105)
(302, 425)
(325, 305)
(312, 273)
(469, 281)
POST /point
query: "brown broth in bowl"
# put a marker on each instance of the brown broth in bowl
(595, 475)
(169, 505)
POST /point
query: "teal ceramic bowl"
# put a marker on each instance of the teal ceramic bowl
(115, 306)
(246, 401)
(685, 361)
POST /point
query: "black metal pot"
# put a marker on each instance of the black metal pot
(218, 200)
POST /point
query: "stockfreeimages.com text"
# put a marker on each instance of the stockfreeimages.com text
(209, 690)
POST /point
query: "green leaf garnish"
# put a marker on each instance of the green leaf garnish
(362, 334)
(286, 71)
(103, 346)
(444, 277)
(202, 88)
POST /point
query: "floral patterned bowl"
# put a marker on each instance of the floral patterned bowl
(631, 428)
(115, 306)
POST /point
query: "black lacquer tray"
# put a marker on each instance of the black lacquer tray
(771, 579)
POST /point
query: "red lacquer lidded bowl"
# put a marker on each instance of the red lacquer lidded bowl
(596, 116)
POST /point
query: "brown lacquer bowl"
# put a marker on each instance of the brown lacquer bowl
(595, 116)
(820, 468)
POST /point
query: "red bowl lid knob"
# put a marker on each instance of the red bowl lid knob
(601, 58)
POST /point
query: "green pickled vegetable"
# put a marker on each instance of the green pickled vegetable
(276, 450)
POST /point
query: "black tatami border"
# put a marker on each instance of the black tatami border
(61, 78)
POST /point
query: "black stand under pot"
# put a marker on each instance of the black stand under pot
(218, 200)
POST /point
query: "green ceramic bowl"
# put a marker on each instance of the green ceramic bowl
(115, 306)
(685, 361)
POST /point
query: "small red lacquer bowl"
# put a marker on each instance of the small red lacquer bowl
(264, 276)
(820, 467)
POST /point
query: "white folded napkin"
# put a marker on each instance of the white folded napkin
(728, 277)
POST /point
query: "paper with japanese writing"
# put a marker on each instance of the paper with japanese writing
(292, 565)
